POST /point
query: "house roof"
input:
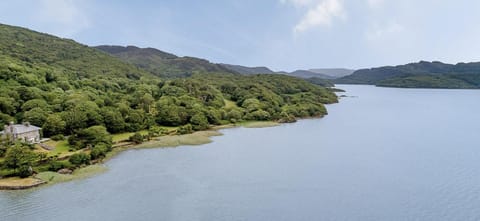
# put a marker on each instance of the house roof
(20, 128)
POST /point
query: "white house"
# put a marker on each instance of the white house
(24, 132)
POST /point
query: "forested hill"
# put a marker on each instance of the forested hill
(26, 53)
(161, 63)
(419, 75)
(66, 87)
(75, 91)
(248, 70)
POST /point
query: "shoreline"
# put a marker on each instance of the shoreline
(45, 179)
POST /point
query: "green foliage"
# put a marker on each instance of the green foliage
(136, 138)
(54, 125)
(24, 171)
(157, 131)
(58, 165)
(79, 159)
(90, 137)
(58, 137)
(20, 158)
(114, 120)
(186, 129)
(199, 121)
(99, 151)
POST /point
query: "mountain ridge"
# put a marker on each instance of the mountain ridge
(162, 63)
(421, 74)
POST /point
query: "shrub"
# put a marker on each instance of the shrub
(24, 171)
(258, 115)
(99, 151)
(79, 159)
(186, 129)
(58, 165)
(58, 137)
(137, 138)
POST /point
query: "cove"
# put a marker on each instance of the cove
(380, 154)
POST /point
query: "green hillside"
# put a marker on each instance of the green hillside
(419, 75)
(161, 63)
(26, 51)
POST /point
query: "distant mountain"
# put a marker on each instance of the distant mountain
(161, 63)
(333, 72)
(419, 75)
(314, 73)
(309, 74)
(312, 77)
(248, 70)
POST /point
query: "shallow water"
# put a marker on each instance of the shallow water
(382, 154)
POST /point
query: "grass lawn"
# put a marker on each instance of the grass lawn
(61, 148)
(124, 136)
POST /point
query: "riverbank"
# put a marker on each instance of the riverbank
(15, 183)
(169, 141)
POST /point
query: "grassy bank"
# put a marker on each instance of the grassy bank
(85, 172)
(258, 124)
(15, 183)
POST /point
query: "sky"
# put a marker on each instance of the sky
(280, 34)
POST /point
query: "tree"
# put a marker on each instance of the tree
(258, 115)
(7, 105)
(199, 121)
(74, 120)
(54, 125)
(135, 121)
(36, 116)
(146, 101)
(35, 103)
(79, 159)
(113, 120)
(137, 138)
(235, 114)
(5, 119)
(99, 151)
(186, 129)
(90, 137)
(19, 156)
(251, 104)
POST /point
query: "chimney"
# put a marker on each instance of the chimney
(26, 124)
(11, 123)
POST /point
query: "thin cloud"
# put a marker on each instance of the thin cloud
(318, 13)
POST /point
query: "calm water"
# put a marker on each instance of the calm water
(384, 154)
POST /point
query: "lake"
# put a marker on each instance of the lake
(380, 154)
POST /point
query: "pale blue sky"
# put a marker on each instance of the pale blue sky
(280, 34)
